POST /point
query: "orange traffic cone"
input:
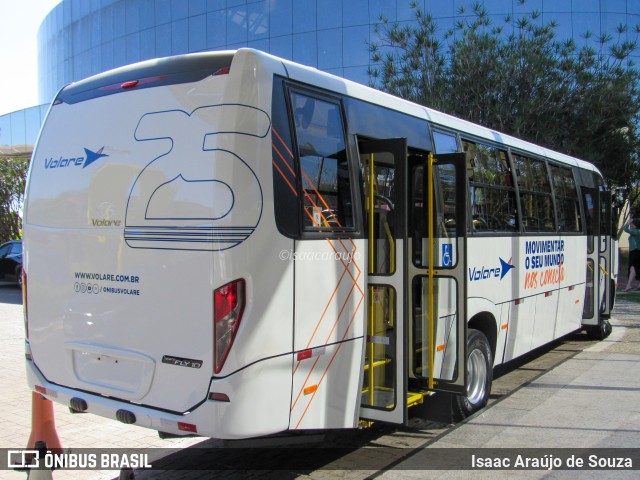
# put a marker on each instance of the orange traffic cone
(43, 425)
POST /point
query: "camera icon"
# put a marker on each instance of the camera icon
(23, 459)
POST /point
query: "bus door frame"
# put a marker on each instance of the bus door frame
(405, 272)
(395, 281)
(606, 251)
(593, 258)
(453, 271)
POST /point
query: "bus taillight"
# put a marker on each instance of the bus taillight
(228, 305)
(222, 71)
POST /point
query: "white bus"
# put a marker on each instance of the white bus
(234, 245)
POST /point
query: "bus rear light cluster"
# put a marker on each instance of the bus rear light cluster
(228, 306)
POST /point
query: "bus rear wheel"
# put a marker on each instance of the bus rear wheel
(479, 376)
(599, 332)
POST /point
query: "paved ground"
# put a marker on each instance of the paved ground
(589, 398)
(590, 401)
(84, 430)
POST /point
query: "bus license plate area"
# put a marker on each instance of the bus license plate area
(124, 374)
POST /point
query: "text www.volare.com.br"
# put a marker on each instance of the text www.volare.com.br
(107, 277)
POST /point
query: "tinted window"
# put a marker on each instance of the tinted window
(373, 121)
(445, 143)
(591, 219)
(324, 170)
(385, 202)
(491, 191)
(535, 194)
(445, 203)
(567, 202)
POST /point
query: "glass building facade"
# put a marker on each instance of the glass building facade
(19, 130)
(80, 38)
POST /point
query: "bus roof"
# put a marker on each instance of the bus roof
(343, 86)
(191, 67)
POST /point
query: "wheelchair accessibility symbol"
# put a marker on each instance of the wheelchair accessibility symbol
(447, 255)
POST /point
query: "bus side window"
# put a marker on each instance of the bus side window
(444, 176)
(323, 164)
(444, 142)
(589, 214)
(567, 200)
(491, 190)
(535, 194)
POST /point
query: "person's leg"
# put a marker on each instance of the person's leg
(632, 277)
(633, 268)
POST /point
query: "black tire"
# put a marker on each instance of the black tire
(599, 332)
(479, 378)
(19, 276)
(612, 292)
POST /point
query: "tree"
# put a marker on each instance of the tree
(518, 78)
(13, 172)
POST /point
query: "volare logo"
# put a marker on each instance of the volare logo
(483, 273)
(81, 161)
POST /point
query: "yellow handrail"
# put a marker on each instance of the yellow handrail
(430, 243)
(392, 248)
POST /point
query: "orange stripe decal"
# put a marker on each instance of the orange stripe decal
(335, 324)
(282, 141)
(285, 178)
(329, 365)
(284, 160)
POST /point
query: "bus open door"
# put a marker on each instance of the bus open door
(607, 252)
(408, 357)
(384, 386)
(437, 295)
(597, 303)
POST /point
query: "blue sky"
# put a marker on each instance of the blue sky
(19, 23)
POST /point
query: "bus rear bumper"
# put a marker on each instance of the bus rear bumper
(259, 400)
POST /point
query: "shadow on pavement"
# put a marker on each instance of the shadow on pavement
(10, 294)
(295, 456)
